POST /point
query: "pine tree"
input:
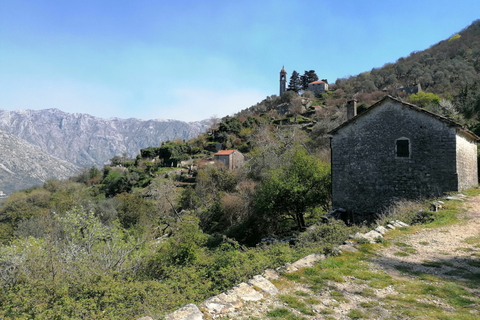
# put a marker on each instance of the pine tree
(295, 83)
(308, 77)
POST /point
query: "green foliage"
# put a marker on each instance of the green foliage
(454, 37)
(300, 184)
(333, 233)
(424, 99)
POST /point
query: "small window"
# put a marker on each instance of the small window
(403, 148)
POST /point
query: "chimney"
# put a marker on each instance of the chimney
(351, 108)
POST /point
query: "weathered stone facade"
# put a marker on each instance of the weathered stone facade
(396, 150)
(318, 87)
(233, 159)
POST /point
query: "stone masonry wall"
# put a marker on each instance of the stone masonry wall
(367, 175)
(466, 162)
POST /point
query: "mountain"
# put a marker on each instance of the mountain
(23, 165)
(84, 140)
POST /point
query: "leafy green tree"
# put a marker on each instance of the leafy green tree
(424, 99)
(289, 191)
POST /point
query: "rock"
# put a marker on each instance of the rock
(145, 318)
(307, 261)
(398, 224)
(403, 224)
(455, 198)
(188, 312)
(381, 229)
(246, 292)
(390, 226)
(263, 284)
(224, 302)
(348, 248)
(271, 274)
(373, 235)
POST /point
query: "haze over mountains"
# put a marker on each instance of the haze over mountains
(81, 140)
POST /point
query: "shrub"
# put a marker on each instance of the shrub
(328, 234)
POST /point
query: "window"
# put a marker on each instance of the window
(402, 148)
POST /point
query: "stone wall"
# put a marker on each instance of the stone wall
(466, 162)
(367, 175)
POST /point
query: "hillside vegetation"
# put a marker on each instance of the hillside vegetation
(148, 234)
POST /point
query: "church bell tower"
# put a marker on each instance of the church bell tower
(283, 80)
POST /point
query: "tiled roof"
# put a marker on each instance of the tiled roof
(315, 82)
(224, 152)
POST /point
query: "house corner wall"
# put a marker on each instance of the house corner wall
(467, 169)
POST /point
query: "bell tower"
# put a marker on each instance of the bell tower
(283, 80)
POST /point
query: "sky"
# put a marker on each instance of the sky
(192, 60)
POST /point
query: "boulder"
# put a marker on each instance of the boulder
(271, 274)
(188, 312)
(348, 248)
(246, 292)
(381, 229)
(263, 284)
(224, 302)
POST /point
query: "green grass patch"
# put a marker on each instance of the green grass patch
(369, 304)
(401, 244)
(302, 293)
(472, 240)
(283, 313)
(311, 300)
(355, 314)
(401, 254)
(297, 304)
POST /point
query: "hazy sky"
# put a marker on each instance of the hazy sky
(190, 60)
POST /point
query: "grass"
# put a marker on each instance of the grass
(283, 313)
(297, 304)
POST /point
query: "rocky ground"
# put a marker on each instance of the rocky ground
(444, 253)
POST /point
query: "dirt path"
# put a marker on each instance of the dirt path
(437, 250)
(435, 257)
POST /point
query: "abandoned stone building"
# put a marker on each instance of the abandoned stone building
(233, 159)
(318, 87)
(395, 150)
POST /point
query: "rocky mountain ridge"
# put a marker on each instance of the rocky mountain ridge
(85, 140)
(23, 165)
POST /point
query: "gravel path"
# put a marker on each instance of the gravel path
(445, 246)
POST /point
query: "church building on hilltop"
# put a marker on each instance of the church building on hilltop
(317, 87)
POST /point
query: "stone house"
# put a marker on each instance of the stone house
(233, 159)
(317, 87)
(395, 150)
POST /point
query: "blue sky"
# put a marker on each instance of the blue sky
(190, 60)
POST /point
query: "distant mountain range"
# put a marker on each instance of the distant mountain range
(81, 140)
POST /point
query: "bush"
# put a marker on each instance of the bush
(329, 234)
(403, 210)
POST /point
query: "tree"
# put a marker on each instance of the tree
(424, 99)
(289, 191)
(295, 83)
(308, 77)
